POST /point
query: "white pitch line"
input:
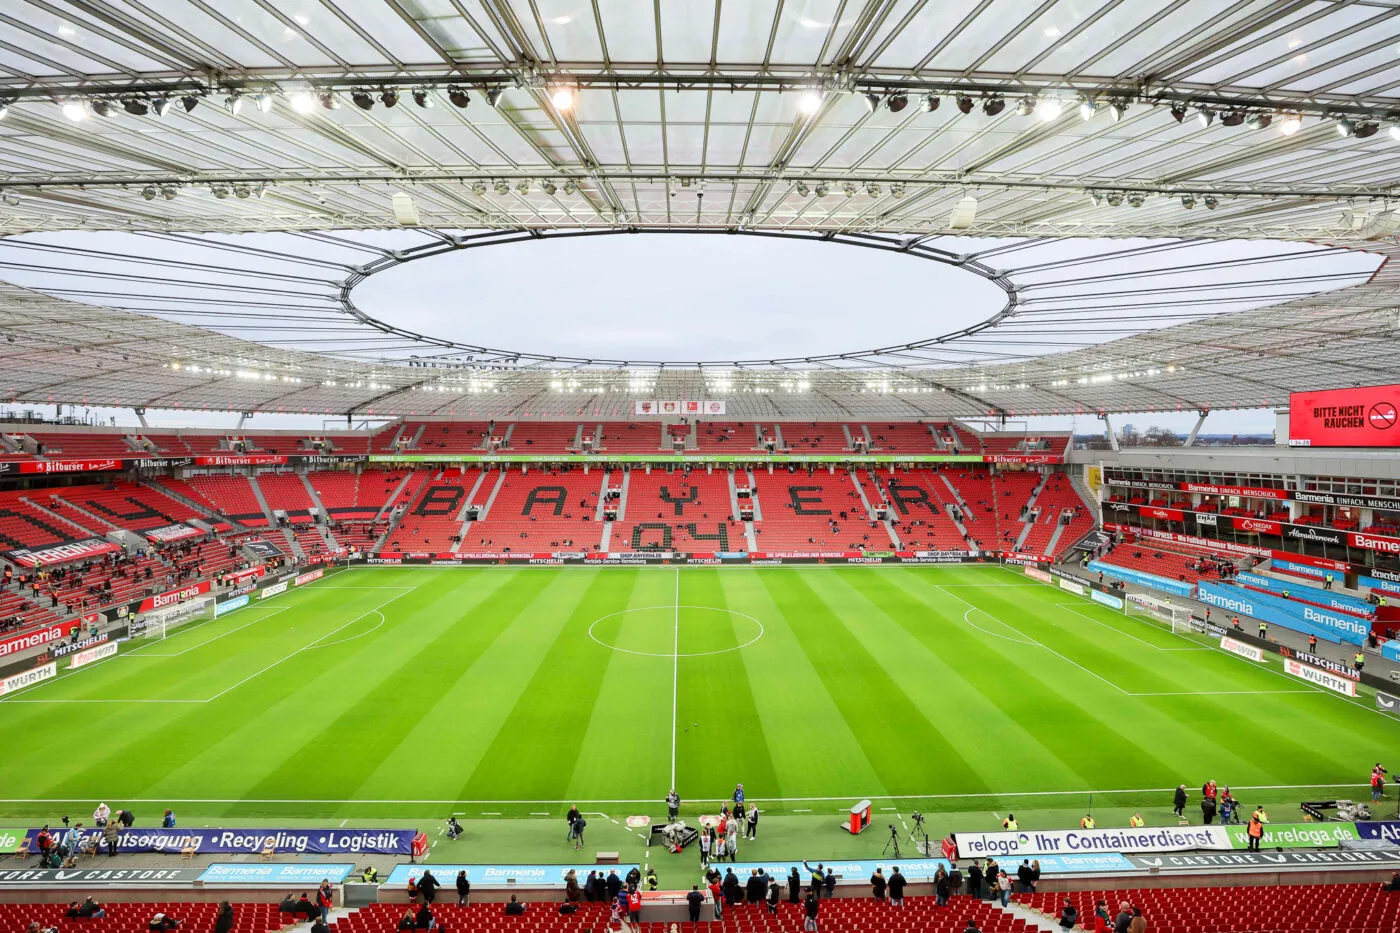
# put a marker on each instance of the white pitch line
(675, 675)
(140, 653)
(1084, 615)
(290, 655)
(843, 797)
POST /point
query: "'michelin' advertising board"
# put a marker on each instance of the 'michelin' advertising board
(1361, 417)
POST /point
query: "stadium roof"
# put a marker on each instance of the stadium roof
(1168, 125)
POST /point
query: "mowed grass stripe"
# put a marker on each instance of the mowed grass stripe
(730, 745)
(951, 679)
(811, 747)
(534, 753)
(330, 720)
(890, 728)
(624, 741)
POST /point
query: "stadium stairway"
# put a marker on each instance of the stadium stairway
(262, 500)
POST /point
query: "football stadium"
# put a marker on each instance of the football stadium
(540, 466)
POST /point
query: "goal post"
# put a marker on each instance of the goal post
(157, 624)
(1159, 610)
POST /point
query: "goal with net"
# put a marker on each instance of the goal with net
(158, 623)
(1160, 611)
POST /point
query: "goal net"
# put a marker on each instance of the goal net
(158, 623)
(1160, 611)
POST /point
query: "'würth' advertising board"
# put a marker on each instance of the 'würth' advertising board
(1364, 417)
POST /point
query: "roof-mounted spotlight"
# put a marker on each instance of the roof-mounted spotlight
(1290, 123)
(549, 187)
(1135, 199)
(1210, 202)
(1188, 201)
(1258, 121)
(458, 97)
(149, 192)
(234, 103)
(849, 189)
(189, 102)
(4, 108)
(501, 186)
(562, 98)
(75, 110)
(822, 189)
(570, 187)
(136, 106)
(478, 187)
(103, 108)
(329, 101)
(930, 103)
(1346, 127)
(897, 189)
(897, 101)
(362, 99)
(242, 192)
(992, 106)
(1096, 198)
(1178, 112)
(810, 102)
(964, 102)
(220, 191)
(1205, 117)
(872, 102)
(423, 99)
(802, 189)
(1087, 109)
(872, 188)
(168, 192)
(303, 102)
(264, 101)
(160, 106)
(1367, 129)
(1048, 109)
(1117, 109)
(389, 97)
(1025, 106)
(1115, 198)
(493, 96)
(1233, 118)
(522, 186)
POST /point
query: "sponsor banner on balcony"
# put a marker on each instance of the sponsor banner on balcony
(62, 465)
(1149, 580)
(1031, 843)
(1276, 610)
(1314, 534)
(1207, 519)
(85, 877)
(1361, 502)
(60, 553)
(1022, 458)
(171, 597)
(1374, 542)
(284, 874)
(1214, 861)
(1250, 492)
(167, 533)
(1352, 605)
(1227, 546)
(1320, 677)
(1256, 526)
(37, 638)
(28, 679)
(255, 841)
(1235, 646)
(1114, 480)
(1169, 515)
(91, 655)
(240, 460)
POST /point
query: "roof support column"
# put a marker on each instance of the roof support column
(1108, 428)
(1191, 438)
(141, 416)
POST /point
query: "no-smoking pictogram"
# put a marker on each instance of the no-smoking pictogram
(1381, 416)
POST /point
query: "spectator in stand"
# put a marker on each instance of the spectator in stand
(424, 920)
(693, 902)
(897, 887)
(91, 910)
(878, 885)
(515, 908)
(1139, 923)
(1124, 918)
(809, 910)
(223, 923)
(111, 836)
(406, 921)
(427, 886)
(161, 922)
(1069, 915)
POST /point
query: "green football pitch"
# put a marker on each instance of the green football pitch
(411, 693)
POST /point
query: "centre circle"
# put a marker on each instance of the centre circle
(676, 631)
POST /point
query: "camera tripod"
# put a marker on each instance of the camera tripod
(892, 841)
(922, 847)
